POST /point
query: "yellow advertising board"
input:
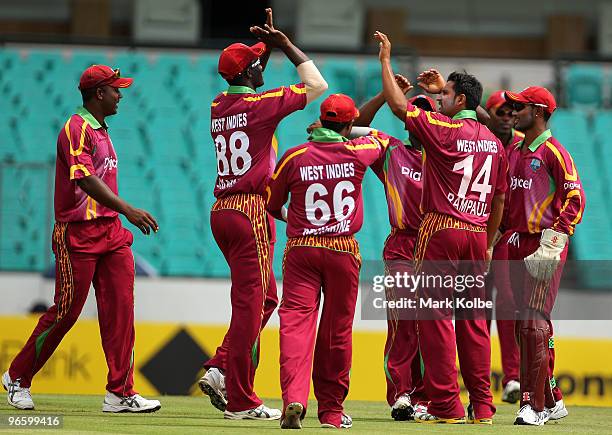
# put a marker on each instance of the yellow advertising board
(168, 359)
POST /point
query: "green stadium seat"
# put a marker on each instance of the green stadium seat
(80, 60)
(25, 210)
(603, 140)
(584, 85)
(592, 237)
(131, 63)
(207, 65)
(10, 64)
(570, 123)
(342, 76)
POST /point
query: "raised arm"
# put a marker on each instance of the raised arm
(368, 110)
(308, 72)
(393, 94)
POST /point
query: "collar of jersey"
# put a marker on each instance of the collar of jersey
(466, 114)
(87, 116)
(326, 135)
(240, 90)
(546, 134)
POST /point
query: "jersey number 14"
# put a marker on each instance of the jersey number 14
(481, 182)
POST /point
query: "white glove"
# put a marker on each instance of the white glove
(544, 261)
(284, 212)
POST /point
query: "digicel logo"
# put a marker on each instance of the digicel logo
(520, 182)
(415, 175)
(110, 163)
(568, 186)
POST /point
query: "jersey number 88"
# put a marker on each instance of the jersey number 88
(239, 161)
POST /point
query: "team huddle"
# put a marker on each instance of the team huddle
(469, 184)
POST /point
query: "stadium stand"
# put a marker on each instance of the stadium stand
(168, 165)
(584, 85)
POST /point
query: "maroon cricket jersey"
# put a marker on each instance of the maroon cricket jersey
(84, 148)
(242, 127)
(464, 164)
(516, 139)
(399, 169)
(545, 190)
(324, 179)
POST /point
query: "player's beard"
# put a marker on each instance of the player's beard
(524, 126)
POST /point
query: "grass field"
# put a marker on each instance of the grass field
(181, 415)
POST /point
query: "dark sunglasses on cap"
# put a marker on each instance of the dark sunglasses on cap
(520, 106)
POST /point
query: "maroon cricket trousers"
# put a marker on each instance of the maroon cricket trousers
(442, 242)
(95, 251)
(505, 309)
(537, 297)
(315, 267)
(219, 359)
(240, 226)
(402, 360)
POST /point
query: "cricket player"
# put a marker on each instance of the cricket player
(323, 177)
(400, 171)
(242, 127)
(464, 182)
(501, 123)
(90, 245)
(546, 202)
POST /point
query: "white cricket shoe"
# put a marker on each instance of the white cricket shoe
(135, 403)
(528, 416)
(293, 416)
(262, 412)
(402, 409)
(18, 397)
(346, 422)
(420, 409)
(512, 392)
(558, 411)
(213, 385)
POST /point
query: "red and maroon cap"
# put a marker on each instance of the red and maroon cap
(423, 101)
(338, 108)
(496, 99)
(101, 75)
(237, 57)
(535, 95)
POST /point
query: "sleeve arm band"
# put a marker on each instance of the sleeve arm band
(359, 131)
(312, 79)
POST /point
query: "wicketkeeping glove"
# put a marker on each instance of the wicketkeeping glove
(544, 261)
